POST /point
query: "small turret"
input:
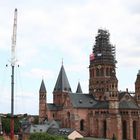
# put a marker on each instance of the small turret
(42, 102)
(137, 88)
(42, 87)
(79, 89)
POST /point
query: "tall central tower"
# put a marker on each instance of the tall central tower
(103, 83)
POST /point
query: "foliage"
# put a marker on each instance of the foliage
(6, 125)
(44, 136)
(1, 138)
(36, 120)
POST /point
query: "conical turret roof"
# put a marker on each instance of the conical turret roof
(62, 83)
(42, 87)
(79, 89)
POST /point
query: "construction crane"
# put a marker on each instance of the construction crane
(13, 61)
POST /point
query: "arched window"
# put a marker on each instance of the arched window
(68, 115)
(110, 71)
(68, 119)
(134, 130)
(93, 73)
(124, 129)
(107, 72)
(97, 72)
(81, 125)
(53, 115)
(102, 71)
(104, 128)
(90, 73)
(100, 97)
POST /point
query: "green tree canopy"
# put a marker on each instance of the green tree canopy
(45, 136)
(6, 125)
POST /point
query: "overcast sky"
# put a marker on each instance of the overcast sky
(51, 30)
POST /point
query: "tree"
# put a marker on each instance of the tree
(36, 120)
(1, 138)
(45, 136)
(6, 125)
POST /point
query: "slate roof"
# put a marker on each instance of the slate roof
(79, 100)
(54, 107)
(102, 105)
(42, 87)
(88, 101)
(53, 123)
(127, 105)
(39, 128)
(32, 128)
(79, 89)
(121, 94)
(62, 83)
(60, 131)
(82, 100)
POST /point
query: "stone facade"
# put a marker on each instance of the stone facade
(104, 112)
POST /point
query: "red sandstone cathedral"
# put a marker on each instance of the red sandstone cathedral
(104, 112)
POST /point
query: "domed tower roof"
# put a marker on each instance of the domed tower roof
(62, 83)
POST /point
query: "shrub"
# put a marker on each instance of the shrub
(1, 138)
(44, 136)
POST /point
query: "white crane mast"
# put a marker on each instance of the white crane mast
(13, 61)
(13, 55)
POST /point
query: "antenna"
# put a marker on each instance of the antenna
(13, 61)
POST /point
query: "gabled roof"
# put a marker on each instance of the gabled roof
(79, 100)
(39, 128)
(102, 105)
(52, 123)
(60, 131)
(127, 105)
(42, 87)
(79, 89)
(32, 128)
(121, 94)
(127, 101)
(54, 107)
(62, 83)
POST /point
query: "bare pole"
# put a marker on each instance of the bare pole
(13, 61)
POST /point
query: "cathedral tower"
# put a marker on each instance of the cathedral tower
(103, 84)
(42, 102)
(137, 88)
(62, 87)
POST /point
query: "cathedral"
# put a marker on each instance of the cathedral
(105, 112)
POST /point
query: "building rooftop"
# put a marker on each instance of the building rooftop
(79, 89)
(42, 87)
(62, 83)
